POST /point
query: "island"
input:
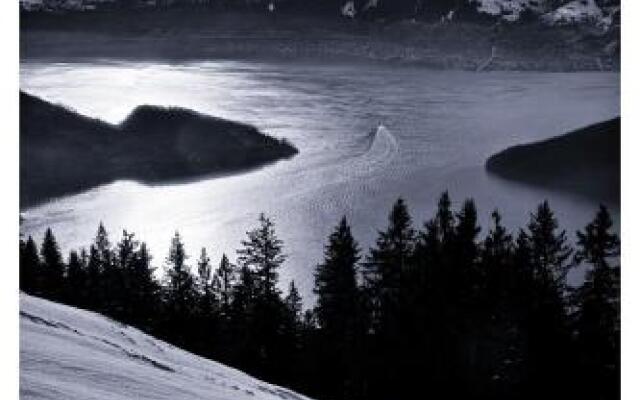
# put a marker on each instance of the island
(63, 152)
(584, 162)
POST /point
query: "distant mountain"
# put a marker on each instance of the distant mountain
(585, 161)
(73, 354)
(63, 152)
(551, 11)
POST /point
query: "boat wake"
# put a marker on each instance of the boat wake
(382, 147)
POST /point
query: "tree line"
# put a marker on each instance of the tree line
(437, 310)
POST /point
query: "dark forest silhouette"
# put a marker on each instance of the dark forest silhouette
(435, 311)
(63, 152)
(585, 161)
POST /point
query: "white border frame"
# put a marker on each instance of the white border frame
(630, 215)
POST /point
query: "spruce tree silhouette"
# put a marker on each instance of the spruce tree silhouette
(497, 254)
(261, 255)
(227, 277)
(385, 265)
(385, 269)
(208, 306)
(293, 302)
(76, 281)
(180, 292)
(118, 277)
(226, 274)
(546, 325)
(597, 303)
(30, 267)
(95, 299)
(207, 285)
(336, 283)
(144, 296)
(339, 310)
(53, 267)
(101, 263)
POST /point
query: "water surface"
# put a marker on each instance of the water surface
(441, 126)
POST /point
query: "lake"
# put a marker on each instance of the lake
(440, 128)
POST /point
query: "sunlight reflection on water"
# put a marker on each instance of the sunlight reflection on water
(443, 126)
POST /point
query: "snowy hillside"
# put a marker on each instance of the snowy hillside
(509, 10)
(568, 12)
(551, 12)
(68, 353)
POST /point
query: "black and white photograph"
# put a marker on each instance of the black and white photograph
(319, 199)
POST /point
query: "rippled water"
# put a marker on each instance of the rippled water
(441, 126)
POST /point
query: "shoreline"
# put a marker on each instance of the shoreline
(293, 50)
(172, 36)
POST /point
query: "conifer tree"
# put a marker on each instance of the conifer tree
(117, 275)
(208, 292)
(387, 262)
(180, 292)
(339, 312)
(293, 303)
(546, 322)
(465, 276)
(103, 246)
(291, 344)
(53, 266)
(100, 270)
(466, 233)
(597, 320)
(260, 258)
(30, 272)
(499, 310)
(434, 242)
(336, 282)
(230, 315)
(226, 276)
(444, 219)
(204, 270)
(388, 269)
(244, 291)
(76, 279)
(497, 253)
(498, 246)
(136, 292)
(549, 249)
(145, 295)
(180, 282)
(126, 250)
(433, 253)
(262, 254)
(207, 285)
(94, 279)
(241, 316)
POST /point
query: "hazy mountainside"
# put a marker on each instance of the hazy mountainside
(539, 35)
(572, 11)
(68, 353)
(585, 161)
(63, 152)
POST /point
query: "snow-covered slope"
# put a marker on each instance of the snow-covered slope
(509, 10)
(567, 12)
(68, 353)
